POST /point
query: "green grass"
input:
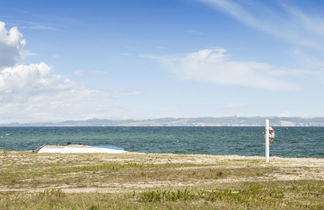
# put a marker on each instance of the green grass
(270, 195)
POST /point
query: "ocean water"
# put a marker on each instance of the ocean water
(289, 142)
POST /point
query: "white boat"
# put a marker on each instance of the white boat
(77, 148)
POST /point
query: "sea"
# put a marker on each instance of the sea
(248, 141)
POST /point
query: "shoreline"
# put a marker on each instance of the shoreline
(229, 156)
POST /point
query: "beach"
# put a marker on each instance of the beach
(137, 180)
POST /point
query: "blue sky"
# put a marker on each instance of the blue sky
(122, 59)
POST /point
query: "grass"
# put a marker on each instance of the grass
(158, 181)
(272, 195)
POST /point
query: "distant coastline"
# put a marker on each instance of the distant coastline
(199, 121)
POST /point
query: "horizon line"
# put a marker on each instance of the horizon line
(159, 118)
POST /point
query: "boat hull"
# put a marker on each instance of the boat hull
(74, 148)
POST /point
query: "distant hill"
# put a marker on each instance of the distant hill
(201, 121)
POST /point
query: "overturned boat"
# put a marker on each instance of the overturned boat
(78, 148)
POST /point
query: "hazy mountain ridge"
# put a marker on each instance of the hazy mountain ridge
(200, 121)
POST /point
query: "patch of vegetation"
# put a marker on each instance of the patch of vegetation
(51, 194)
(278, 195)
(273, 195)
(167, 195)
(250, 192)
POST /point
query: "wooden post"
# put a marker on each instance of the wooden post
(267, 135)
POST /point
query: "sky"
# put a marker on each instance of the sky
(143, 59)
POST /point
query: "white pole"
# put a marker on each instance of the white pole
(267, 135)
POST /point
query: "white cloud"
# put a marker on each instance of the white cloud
(11, 46)
(303, 29)
(20, 82)
(215, 66)
(286, 22)
(30, 93)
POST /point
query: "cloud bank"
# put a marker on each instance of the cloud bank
(31, 93)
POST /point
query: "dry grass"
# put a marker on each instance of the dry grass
(166, 181)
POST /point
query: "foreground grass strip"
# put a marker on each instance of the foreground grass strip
(251, 192)
(296, 195)
(272, 195)
(159, 181)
